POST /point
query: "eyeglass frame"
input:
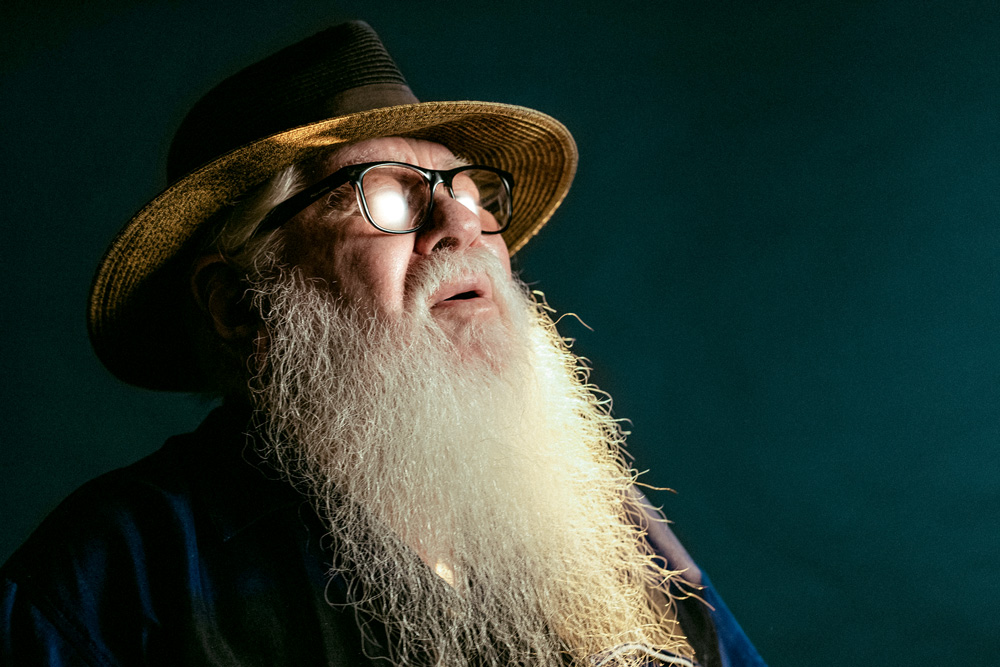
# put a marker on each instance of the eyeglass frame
(354, 173)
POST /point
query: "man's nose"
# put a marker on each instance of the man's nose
(452, 225)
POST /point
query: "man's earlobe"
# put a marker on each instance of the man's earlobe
(220, 292)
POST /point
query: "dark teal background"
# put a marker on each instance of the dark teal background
(784, 234)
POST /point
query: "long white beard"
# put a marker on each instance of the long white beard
(474, 488)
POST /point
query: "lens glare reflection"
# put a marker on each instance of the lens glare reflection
(397, 197)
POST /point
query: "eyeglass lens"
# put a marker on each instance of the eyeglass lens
(397, 197)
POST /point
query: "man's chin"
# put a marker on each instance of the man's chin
(478, 331)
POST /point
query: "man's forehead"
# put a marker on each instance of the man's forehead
(396, 149)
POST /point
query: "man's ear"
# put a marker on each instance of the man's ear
(220, 292)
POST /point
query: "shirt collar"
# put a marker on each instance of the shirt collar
(240, 487)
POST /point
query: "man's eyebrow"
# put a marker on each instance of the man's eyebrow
(455, 162)
(369, 154)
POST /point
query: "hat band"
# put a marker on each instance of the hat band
(372, 96)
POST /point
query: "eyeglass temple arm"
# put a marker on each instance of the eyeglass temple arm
(287, 209)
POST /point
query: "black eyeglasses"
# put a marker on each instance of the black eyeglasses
(398, 198)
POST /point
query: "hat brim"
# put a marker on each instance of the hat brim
(135, 313)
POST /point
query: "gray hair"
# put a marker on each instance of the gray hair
(235, 233)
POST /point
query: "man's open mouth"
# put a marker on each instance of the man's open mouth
(464, 289)
(464, 295)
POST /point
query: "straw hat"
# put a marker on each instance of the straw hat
(336, 87)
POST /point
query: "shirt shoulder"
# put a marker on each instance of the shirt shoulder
(100, 549)
(177, 554)
(130, 508)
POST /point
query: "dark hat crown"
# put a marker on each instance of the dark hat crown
(340, 70)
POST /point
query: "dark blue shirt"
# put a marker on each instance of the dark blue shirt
(196, 556)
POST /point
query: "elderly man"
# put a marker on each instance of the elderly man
(408, 465)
